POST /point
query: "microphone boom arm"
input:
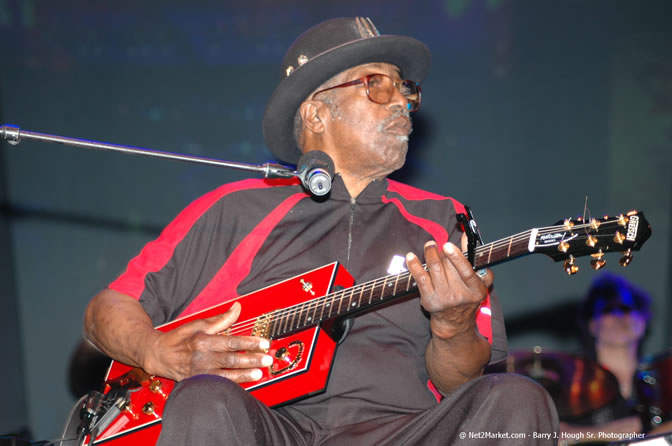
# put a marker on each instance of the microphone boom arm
(14, 135)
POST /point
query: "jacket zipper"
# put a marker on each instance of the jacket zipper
(353, 202)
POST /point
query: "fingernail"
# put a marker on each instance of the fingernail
(264, 344)
(267, 361)
(449, 248)
(410, 256)
(256, 374)
(430, 243)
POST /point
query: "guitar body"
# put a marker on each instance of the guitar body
(302, 360)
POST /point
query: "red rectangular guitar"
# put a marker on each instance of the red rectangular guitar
(298, 315)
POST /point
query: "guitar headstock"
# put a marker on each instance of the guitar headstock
(575, 237)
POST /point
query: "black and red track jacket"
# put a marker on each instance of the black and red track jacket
(250, 234)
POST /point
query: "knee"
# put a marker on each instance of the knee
(519, 396)
(517, 391)
(196, 395)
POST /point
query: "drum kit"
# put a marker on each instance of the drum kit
(584, 390)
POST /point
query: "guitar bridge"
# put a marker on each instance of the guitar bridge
(262, 325)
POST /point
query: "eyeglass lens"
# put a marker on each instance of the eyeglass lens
(381, 90)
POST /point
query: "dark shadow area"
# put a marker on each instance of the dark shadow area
(11, 211)
(560, 320)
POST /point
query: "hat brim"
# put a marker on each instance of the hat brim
(410, 55)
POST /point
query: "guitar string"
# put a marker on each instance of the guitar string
(308, 305)
(338, 296)
(334, 297)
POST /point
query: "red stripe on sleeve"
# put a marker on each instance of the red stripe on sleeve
(432, 388)
(484, 319)
(157, 253)
(223, 285)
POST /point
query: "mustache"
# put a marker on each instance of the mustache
(396, 115)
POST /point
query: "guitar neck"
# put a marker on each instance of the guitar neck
(385, 289)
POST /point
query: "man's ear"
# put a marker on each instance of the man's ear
(312, 115)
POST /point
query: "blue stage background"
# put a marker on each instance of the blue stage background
(529, 108)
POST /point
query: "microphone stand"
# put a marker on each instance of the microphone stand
(14, 135)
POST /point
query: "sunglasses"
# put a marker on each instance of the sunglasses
(380, 88)
(615, 308)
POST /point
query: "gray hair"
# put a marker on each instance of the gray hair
(328, 97)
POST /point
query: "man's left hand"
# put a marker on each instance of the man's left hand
(450, 290)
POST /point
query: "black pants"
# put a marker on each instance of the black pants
(207, 411)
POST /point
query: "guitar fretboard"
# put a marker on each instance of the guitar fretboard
(379, 291)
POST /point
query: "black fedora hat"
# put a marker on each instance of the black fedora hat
(323, 51)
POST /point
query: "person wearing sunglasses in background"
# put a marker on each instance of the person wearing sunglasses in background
(615, 317)
(408, 373)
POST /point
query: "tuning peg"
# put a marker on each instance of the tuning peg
(597, 262)
(570, 267)
(626, 259)
(568, 224)
(594, 224)
(623, 220)
(618, 238)
(563, 246)
(591, 241)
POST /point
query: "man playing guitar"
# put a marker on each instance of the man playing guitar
(406, 373)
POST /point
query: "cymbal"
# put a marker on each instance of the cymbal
(577, 385)
(654, 385)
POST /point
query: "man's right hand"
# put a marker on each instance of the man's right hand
(197, 347)
(119, 326)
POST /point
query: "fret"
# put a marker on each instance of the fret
(322, 305)
(300, 313)
(340, 302)
(331, 304)
(490, 252)
(382, 290)
(283, 322)
(373, 287)
(361, 293)
(508, 252)
(396, 282)
(352, 292)
(408, 282)
(309, 319)
(290, 319)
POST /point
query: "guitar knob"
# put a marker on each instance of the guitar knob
(570, 267)
(626, 259)
(128, 408)
(156, 387)
(148, 408)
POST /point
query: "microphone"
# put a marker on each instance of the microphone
(316, 169)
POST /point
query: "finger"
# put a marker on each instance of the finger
(239, 360)
(464, 241)
(462, 266)
(421, 277)
(221, 322)
(238, 344)
(238, 375)
(438, 268)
